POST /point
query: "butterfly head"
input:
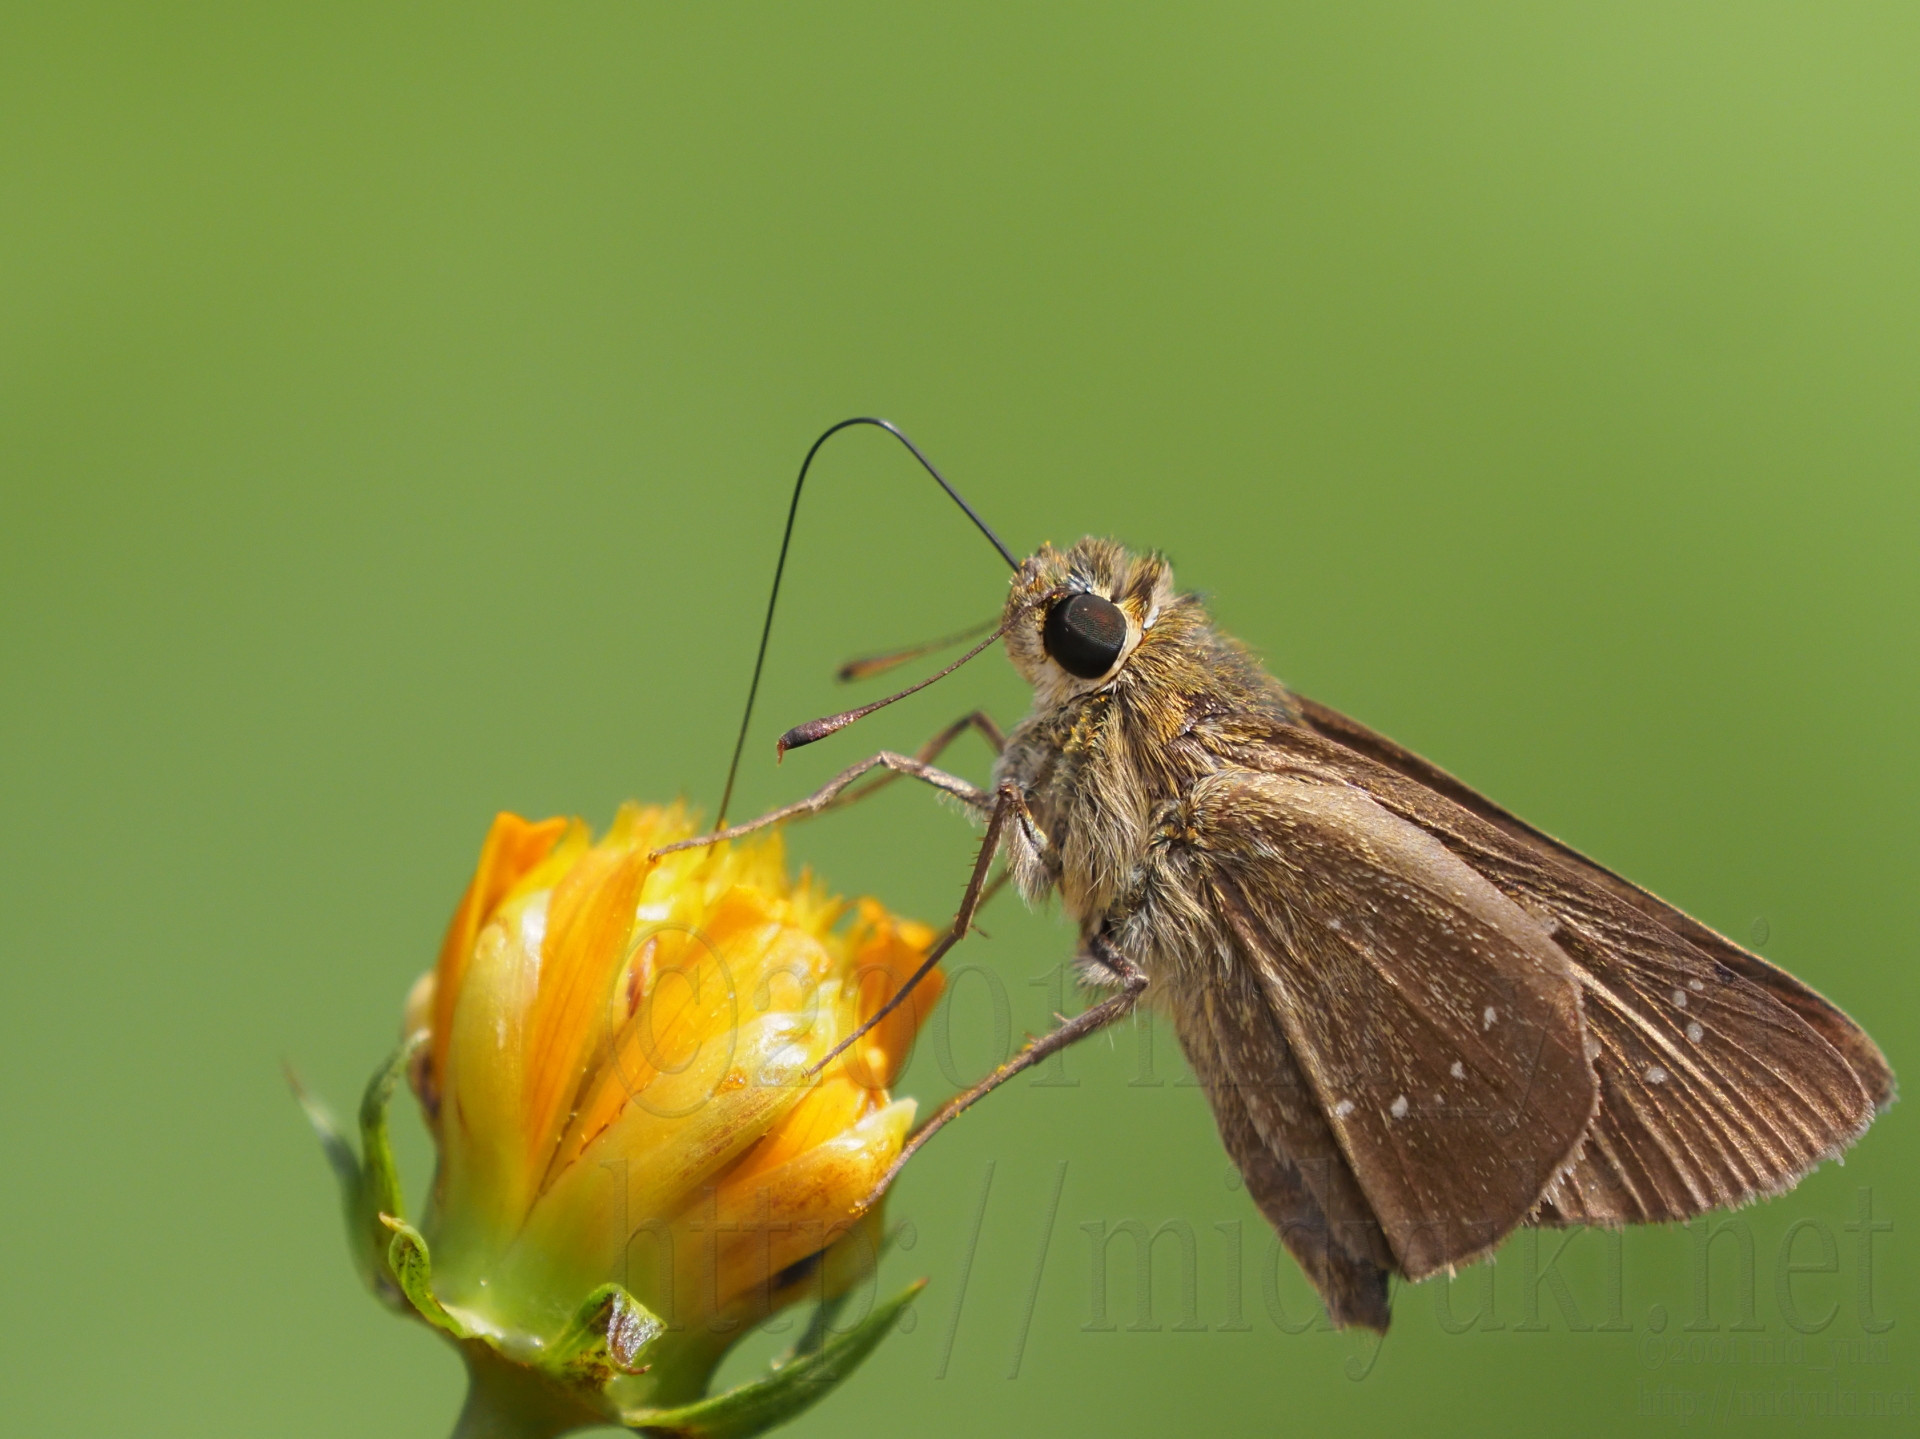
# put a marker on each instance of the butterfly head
(1076, 617)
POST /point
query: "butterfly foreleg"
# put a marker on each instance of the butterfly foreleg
(978, 720)
(834, 793)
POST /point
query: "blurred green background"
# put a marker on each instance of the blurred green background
(397, 411)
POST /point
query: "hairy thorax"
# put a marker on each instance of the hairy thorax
(1104, 761)
(1101, 774)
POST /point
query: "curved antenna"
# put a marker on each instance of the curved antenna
(780, 567)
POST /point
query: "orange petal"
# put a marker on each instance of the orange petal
(772, 1218)
(664, 1149)
(886, 952)
(588, 925)
(687, 991)
(831, 1107)
(513, 847)
(483, 1186)
(690, 1009)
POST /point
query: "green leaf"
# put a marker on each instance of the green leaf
(606, 1337)
(412, 1268)
(380, 1194)
(828, 1310)
(757, 1407)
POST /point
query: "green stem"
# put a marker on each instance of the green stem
(506, 1401)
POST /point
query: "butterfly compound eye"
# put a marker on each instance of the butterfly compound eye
(1085, 635)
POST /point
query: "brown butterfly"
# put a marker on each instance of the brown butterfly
(1421, 1023)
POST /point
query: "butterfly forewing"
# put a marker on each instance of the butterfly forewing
(1435, 1020)
(1714, 1088)
(1430, 781)
(1712, 1091)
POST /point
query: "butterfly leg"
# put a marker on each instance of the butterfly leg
(1133, 983)
(1009, 807)
(979, 720)
(983, 723)
(834, 791)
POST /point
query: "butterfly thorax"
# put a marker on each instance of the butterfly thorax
(1101, 764)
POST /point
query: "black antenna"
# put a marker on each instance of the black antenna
(780, 566)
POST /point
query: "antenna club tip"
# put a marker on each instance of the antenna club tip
(805, 734)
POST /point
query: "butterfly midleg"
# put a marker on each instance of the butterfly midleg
(1009, 806)
(976, 720)
(1133, 983)
(833, 790)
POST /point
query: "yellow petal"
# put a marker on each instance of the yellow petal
(620, 1055)
(836, 1104)
(667, 1144)
(484, 1181)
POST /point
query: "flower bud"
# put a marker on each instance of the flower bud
(641, 1152)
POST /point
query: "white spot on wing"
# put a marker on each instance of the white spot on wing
(1487, 1017)
(1398, 1109)
(1343, 1109)
(1680, 998)
(1458, 1071)
(1694, 1031)
(1695, 985)
(1656, 1075)
(1333, 924)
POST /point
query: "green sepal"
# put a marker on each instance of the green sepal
(380, 1182)
(756, 1407)
(412, 1269)
(345, 1164)
(820, 1325)
(607, 1337)
(369, 1181)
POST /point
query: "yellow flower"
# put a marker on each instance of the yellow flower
(613, 1054)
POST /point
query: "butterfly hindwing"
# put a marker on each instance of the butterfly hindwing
(1278, 1137)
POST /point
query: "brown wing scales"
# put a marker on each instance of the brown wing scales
(1863, 1056)
(1272, 1126)
(1434, 1021)
(1721, 1078)
(1422, 1023)
(1712, 1092)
